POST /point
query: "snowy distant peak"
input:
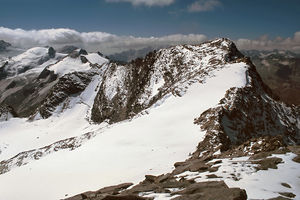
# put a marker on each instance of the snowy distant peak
(36, 59)
(78, 61)
(69, 78)
(27, 79)
(32, 61)
(128, 89)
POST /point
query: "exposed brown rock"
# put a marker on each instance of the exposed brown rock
(267, 163)
(279, 198)
(211, 190)
(297, 159)
(106, 192)
(123, 197)
(287, 194)
(286, 185)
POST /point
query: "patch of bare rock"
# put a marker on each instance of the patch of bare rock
(162, 184)
(189, 189)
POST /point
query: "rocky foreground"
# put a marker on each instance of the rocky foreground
(179, 185)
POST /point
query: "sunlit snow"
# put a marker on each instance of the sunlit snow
(123, 152)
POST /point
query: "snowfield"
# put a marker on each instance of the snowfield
(32, 57)
(69, 65)
(123, 152)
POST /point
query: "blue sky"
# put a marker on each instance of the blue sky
(226, 18)
(118, 25)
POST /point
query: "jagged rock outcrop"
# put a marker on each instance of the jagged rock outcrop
(6, 112)
(280, 70)
(129, 89)
(51, 52)
(4, 45)
(247, 113)
(67, 49)
(190, 190)
(244, 113)
(76, 54)
(69, 85)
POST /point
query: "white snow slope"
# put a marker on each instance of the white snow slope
(69, 65)
(31, 58)
(124, 152)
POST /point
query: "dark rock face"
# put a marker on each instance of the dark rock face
(100, 54)
(4, 45)
(67, 49)
(125, 103)
(248, 113)
(51, 52)
(280, 70)
(211, 190)
(128, 89)
(76, 54)
(3, 73)
(6, 112)
(82, 52)
(25, 92)
(11, 85)
(48, 74)
(83, 59)
(70, 84)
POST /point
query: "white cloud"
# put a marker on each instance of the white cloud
(110, 43)
(92, 41)
(264, 43)
(203, 5)
(146, 2)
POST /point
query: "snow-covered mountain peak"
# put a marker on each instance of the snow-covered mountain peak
(138, 85)
(103, 123)
(81, 63)
(33, 60)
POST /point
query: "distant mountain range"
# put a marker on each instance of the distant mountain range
(280, 70)
(132, 54)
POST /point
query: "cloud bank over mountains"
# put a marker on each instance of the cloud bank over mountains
(264, 43)
(92, 41)
(110, 43)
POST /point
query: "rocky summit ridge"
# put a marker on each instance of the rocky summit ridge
(247, 123)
